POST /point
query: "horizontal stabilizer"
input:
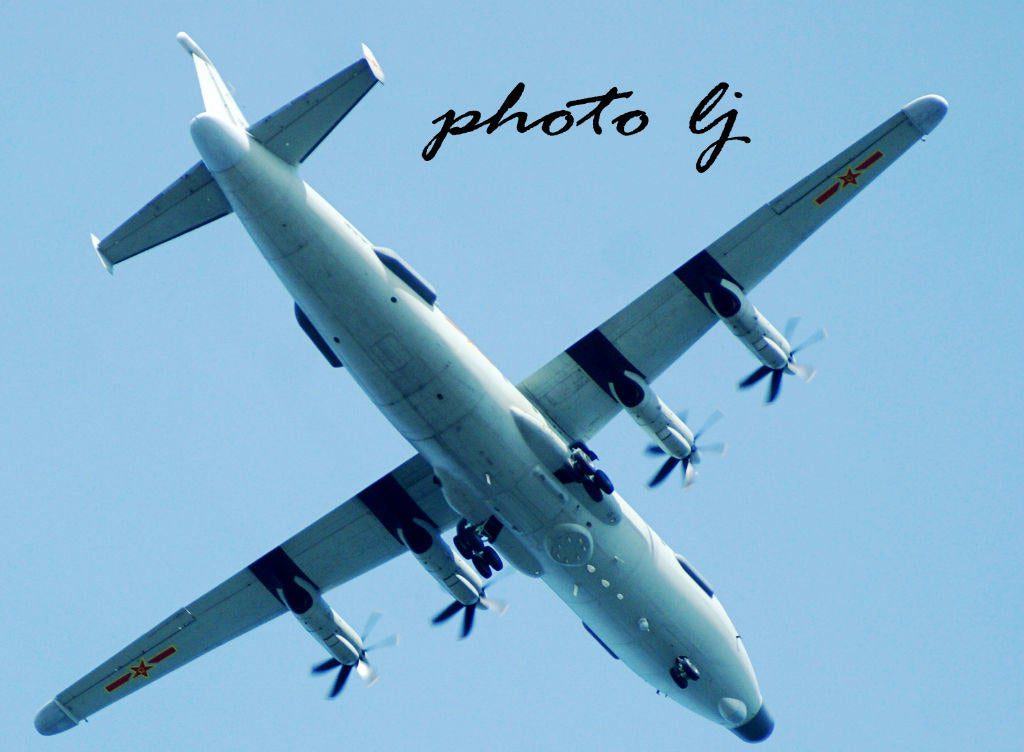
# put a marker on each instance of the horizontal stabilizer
(189, 202)
(295, 130)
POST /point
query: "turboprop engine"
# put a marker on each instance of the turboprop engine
(767, 344)
(437, 557)
(346, 646)
(669, 432)
(452, 573)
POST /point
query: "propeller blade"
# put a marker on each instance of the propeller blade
(326, 666)
(494, 604)
(716, 448)
(655, 449)
(367, 673)
(790, 327)
(467, 621)
(450, 611)
(339, 683)
(776, 385)
(667, 468)
(804, 372)
(370, 624)
(815, 338)
(388, 642)
(689, 474)
(712, 419)
(756, 376)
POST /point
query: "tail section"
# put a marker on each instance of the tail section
(291, 133)
(191, 201)
(216, 98)
(295, 130)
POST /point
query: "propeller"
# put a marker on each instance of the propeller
(469, 612)
(803, 371)
(362, 667)
(688, 462)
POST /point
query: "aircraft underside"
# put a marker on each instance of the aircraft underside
(505, 465)
(476, 430)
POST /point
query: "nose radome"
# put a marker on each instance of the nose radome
(732, 710)
(758, 728)
(220, 144)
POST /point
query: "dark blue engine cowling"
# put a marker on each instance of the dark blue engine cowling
(397, 266)
(724, 301)
(315, 336)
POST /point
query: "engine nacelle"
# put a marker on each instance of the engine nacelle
(643, 405)
(320, 620)
(437, 557)
(736, 311)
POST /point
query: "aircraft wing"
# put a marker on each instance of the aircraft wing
(357, 536)
(295, 130)
(649, 334)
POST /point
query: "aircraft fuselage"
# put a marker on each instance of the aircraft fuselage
(456, 408)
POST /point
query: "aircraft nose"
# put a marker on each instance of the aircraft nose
(758, 728)
(220, 144)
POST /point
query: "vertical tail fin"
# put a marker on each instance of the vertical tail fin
(216, 98)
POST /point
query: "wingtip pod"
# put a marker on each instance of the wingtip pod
(375, 68)
(103, 259)
(53, 719)
(926, 112)
(190, 46)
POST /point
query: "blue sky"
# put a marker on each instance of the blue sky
(164, 427)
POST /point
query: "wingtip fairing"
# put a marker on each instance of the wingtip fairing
(926, 112)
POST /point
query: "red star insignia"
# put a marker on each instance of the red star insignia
(850, 178)
(141, 670)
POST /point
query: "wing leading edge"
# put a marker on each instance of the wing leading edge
(358, 535)
(653, 331)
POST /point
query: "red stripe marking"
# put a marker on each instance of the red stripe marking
(827, 194)
(870, 161)
(118, 682)
(163, 654)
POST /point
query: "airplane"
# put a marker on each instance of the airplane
(506, 465)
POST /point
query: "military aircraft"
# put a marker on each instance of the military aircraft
(506, 465)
